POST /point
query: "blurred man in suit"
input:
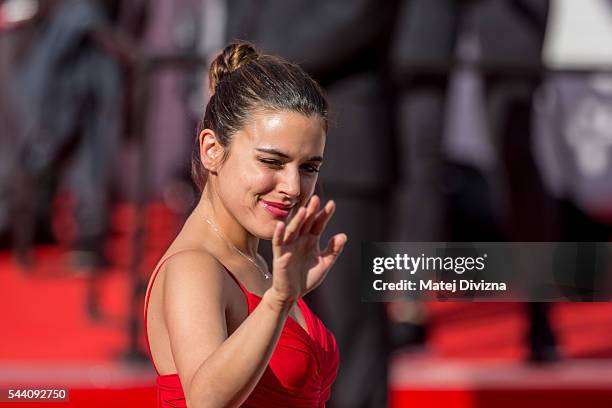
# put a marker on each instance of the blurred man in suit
(471, 197)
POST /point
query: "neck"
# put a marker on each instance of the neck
(211, 209)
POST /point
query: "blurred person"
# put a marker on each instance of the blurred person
(222, 329)
(344, 45)
(19, 21)
(70, 103)
(7, 118)
(573, 113)
(171, 108)
(503, 40)
(467, 172)
(192, 28)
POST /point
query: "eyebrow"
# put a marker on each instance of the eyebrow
(285, 155)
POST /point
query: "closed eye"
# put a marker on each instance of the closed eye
(277, 164)
(271, 162)
(310, 168)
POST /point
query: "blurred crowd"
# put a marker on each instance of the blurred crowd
(454, 120)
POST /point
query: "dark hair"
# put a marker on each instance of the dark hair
(242, 82)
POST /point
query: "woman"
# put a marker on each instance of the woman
(223, 330)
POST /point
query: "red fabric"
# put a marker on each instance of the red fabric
(300, 372)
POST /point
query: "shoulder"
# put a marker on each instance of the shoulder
(193, 270)
(193, 260)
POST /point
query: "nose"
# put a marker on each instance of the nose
(290, 182)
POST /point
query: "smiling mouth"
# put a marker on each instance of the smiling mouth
(278, 210)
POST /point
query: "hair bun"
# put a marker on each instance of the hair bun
(231, 58)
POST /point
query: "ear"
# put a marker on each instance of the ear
(211, 151)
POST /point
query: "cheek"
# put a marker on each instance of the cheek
(307, 186)
(254, 181)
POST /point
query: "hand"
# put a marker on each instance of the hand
(299, 265)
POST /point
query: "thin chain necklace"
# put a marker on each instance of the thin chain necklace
(265, 274)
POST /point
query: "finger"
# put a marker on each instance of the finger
(323, 217)
(328, 258)
(311, 212)
(277, 239)
(292, 230)
(334, 249)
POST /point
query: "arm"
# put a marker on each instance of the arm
(215, 370)
(221, 371)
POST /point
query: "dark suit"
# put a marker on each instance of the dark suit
(343, 44)
(510, 34)
(457, 202)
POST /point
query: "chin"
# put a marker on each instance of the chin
(265, 235)
(264, 231)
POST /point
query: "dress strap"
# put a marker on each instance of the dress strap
(242, 288)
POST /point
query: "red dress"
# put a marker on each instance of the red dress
(300, 373)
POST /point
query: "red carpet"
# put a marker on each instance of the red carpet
(473, 358)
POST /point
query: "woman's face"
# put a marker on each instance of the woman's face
(271, 169)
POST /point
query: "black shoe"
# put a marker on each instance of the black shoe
(543, 355)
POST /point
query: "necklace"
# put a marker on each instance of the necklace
(265, 274)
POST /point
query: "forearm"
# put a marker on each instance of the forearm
(229, 374)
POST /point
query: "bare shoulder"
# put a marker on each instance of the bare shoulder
(193, 292)
(193, 269)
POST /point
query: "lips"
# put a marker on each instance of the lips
(279, 210)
